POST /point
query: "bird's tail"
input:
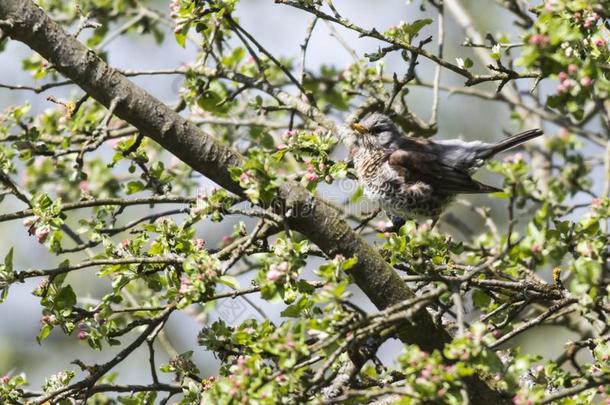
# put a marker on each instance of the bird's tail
(509, 142)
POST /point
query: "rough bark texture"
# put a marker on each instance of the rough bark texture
(24, 21)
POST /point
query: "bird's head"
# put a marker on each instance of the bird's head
(376, 130)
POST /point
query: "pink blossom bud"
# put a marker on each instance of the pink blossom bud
(245, 176)
(28, 222)
(82, 334)
(199, 244)
(185, 284)
(540, 40)
(515, 158)
(311, 176)
(586, 81)
(84, 186)
(41, 234)
(600, 42)
(99, 318)
(420, 381)
(5, 379)
(274, 274)
(426, 372)
(196, 211)
(572, 68)
(382, 224)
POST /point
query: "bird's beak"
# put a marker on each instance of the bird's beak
(358, 128)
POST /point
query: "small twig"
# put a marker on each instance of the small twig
(121, 30)
(437, 72)
(365, 221)
(105, 201)
(272, 58)
(25, 274)
(8, 183)
(84, 22)
(335, 34)
(459, 310)
(533, 322)
(243, 247)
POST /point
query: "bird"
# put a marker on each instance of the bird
(417, 178)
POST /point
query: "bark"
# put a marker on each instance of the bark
(24, 21)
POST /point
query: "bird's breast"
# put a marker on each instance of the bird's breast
(369, 164)
(375, 173)
(388, 187)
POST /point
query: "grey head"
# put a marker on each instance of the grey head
(376, 130)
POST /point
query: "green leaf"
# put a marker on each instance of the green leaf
(181, 34)
(480, 299)
(65, 298)
(229, 281)
(413, 29)
(8, 261)
(295, 310)
(134, 187)
(44, 333)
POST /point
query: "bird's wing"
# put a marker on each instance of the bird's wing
(426, 167)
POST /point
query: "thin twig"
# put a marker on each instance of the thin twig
(437, 72)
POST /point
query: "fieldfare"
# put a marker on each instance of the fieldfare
(415, 178)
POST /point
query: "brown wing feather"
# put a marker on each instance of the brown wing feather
(426, 167)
